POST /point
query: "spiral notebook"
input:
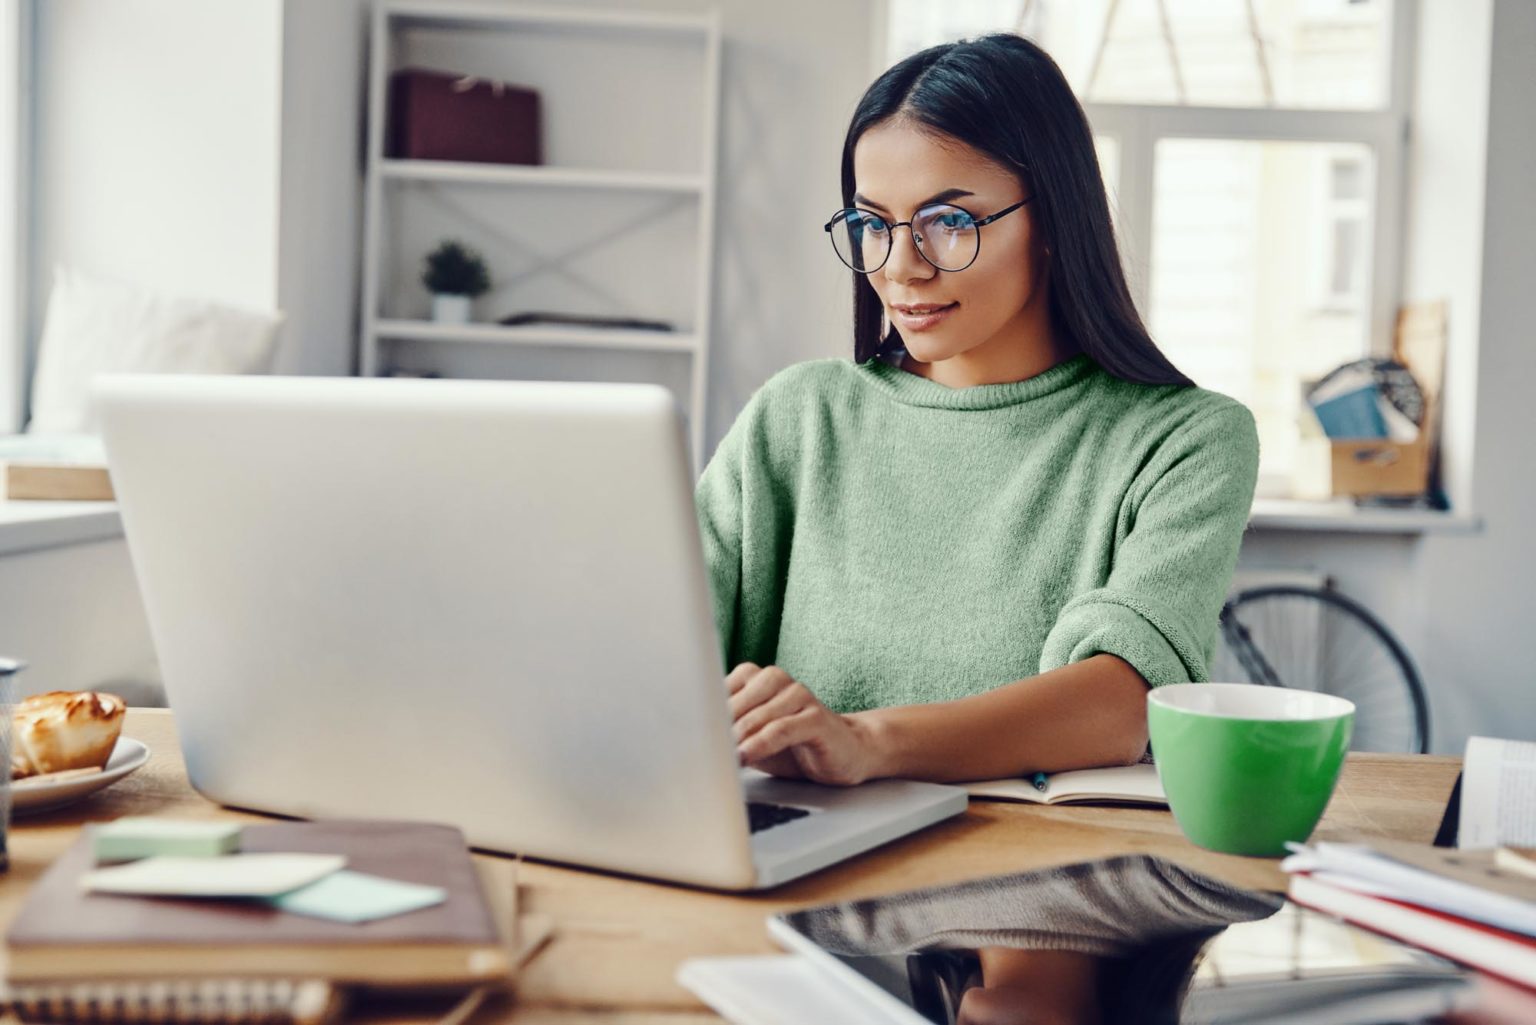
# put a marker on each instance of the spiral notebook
(238, 1001)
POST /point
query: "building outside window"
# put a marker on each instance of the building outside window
(1253, 151)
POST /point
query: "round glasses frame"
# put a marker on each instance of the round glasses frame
(890, 238)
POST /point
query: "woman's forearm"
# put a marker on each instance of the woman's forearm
(1086, 714)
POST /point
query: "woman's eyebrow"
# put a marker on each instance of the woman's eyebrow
(942, 197)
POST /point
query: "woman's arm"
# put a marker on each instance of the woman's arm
(1085, 714)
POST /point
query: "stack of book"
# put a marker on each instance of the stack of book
(1476, 907)
(82, 949)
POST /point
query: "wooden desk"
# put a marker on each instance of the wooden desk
(618, 941)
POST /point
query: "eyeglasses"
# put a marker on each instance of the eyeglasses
(947, 236)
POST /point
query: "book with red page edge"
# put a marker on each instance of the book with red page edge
(1508, 955)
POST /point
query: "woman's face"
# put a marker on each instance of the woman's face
(992, 315)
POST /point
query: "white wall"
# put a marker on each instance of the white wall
(73, 614)
(320, 195)
(1463, 603)
(790, 79)
(1479, 598)
(155, 160)
(156, 153)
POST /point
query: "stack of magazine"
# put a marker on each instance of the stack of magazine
(1474, 902)
(1477, 907)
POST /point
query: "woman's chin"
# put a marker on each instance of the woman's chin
(927, 350)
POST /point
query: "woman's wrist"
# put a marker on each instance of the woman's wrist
(877, 738)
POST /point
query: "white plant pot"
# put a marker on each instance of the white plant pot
(451, 309)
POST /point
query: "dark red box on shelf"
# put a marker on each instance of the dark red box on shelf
(435, 115)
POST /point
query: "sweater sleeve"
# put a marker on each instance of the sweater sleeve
(1171, 569)
(717, 498)
(743, 523)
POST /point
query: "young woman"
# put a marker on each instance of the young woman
(969, 552)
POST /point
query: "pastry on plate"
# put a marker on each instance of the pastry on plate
(64, 730)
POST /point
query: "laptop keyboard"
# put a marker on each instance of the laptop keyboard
(761, 815)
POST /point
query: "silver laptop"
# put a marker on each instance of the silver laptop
(468, 601)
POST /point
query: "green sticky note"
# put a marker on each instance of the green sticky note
(356, 897)
(132, 838)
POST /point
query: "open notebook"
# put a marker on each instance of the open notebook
(1121, 784)
(1498, 793)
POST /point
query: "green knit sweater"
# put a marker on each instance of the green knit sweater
(889, 540)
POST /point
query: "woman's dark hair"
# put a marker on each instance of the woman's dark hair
(1004, 96)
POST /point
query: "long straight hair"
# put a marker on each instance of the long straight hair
(1004, 96)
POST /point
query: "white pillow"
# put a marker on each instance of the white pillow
(96, 326)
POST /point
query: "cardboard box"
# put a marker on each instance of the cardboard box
(1374, 467)
(1356, 468)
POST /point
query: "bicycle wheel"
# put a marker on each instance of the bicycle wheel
(1317, 639)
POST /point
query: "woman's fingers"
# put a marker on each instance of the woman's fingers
(785, 702)
(782, 734)
(760, 686)
(737, 678)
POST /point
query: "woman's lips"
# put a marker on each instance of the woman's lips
(922, 321)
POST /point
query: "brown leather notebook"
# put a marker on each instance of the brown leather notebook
(64, 932)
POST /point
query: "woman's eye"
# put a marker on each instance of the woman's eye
(874, 225)
(954, 222)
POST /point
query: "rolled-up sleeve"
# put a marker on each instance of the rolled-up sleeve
(1173, 559)
(718, 501)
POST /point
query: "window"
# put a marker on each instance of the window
(1253, 152)
(13, 25)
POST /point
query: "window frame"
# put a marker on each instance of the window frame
(1137, 128)
(17, 26)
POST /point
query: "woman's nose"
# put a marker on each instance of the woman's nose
(905, 262)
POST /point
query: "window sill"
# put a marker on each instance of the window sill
(1344, 517)
(30, 526)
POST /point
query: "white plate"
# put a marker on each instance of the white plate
(26, 798)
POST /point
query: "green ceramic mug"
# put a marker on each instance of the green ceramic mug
(1247, 767)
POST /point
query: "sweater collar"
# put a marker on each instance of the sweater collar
(913, 390)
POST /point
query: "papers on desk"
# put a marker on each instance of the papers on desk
(229, 876)
(1498, 794)
(1464, 905)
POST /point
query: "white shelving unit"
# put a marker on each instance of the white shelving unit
(642, 162)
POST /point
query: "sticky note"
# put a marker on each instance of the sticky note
(358, 897)
(129, 839)
(235, 875)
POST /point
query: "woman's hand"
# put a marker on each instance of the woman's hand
(782, 729)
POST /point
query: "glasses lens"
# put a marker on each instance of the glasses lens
(947, 235)
(861, 239)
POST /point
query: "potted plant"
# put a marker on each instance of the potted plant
(455, 275)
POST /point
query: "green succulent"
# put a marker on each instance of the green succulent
(455, 269)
